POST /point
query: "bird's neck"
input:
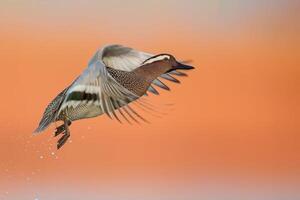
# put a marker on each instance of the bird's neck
(151, 71)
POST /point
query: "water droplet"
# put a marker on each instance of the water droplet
(41, 157)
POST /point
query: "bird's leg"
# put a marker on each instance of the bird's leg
(66, 134)
(61, 128)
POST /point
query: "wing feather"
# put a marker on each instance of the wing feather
(127, 59)
(96, 80)
(160, 84)
(170, 78)
(153, 90)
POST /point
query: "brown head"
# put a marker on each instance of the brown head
(154, 67)
(168, 61)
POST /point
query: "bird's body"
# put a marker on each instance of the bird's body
(115, 77)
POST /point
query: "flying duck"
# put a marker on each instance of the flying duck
(116, 76)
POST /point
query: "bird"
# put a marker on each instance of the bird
(115, 76)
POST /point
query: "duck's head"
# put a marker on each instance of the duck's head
(168, 60)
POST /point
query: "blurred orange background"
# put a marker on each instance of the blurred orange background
(237, 114)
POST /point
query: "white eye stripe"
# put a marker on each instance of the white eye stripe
(158, 58)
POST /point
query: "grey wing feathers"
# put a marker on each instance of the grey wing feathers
(51, 111)
(127, 59)
(96, 80)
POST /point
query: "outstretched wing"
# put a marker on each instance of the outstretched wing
(127, 59)
(103, 90)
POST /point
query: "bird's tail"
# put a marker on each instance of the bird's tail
(46, 120)
(51, 112)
